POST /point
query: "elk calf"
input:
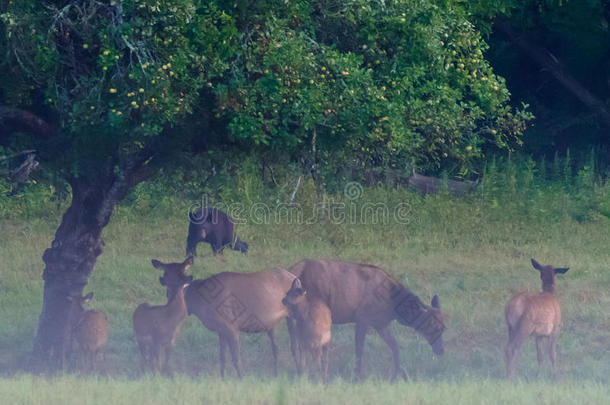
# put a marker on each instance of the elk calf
(314, 321)
(156, 327)
(90, 332)
(537, 315)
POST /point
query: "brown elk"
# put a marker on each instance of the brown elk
(229, 303)
(90, 332)
(432, 185)
(370, 297)
(156, 327)
(537, 315)
(313, 324)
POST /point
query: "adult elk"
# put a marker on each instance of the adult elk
(313, 324)
(370, 297)
(229, 303)
(156, 327)
(537, 315)
(215, 227)
(90, 332)
(431, 185)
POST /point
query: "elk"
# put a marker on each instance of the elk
(215, 227)
(156, 327)
(90, 332)
(313, 323)
(537, 315)
(370, 297)
(431, 185)
(229, 303)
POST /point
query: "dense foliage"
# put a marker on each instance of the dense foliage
(112, 74)
(371, 83)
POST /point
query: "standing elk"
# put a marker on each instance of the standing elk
(538, 315)
(313, 324)
(215, 227)
(157, 327)
(90, 332)
(370, 297)
(229, 303)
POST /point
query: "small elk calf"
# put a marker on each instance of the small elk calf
(314, 322)
(90, 332)
(538, 315)
(156, 327)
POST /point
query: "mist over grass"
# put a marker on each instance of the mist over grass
(92, 391)
(473, 252)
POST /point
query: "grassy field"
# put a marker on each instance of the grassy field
(474, 253)
(92, 391)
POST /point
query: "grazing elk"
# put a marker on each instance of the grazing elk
(431, 185)
(156, 327)
(90, 332)
(313, 323)
(229, 303)
(534, 314)
(370, 297)
(215, 227)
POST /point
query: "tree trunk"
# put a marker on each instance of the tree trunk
(68, 264)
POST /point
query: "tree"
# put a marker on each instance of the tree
(376, 83)
(96, 87)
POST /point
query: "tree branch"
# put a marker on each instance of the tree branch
(546, 60)
(23, 120)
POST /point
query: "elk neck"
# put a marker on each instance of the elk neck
(548, 287)
(177, 305)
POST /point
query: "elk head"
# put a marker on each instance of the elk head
(547, 275)
(174, 275)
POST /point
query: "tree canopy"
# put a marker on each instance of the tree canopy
(377, 82)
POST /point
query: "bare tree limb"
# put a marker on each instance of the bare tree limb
(546, 60)
(25, 121)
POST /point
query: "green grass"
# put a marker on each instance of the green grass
(473, 252)
(74, 390)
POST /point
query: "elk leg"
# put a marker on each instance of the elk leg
(294, 343)
(143, 356)
(223, 350)
(232, 338)
(167, 366)
(318, 356)
(553, 354)
(360, 337)
(325, 363)
(512, 350)
(539, 356)
(271, 334)
(388, 338)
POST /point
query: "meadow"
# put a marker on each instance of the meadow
(474, 252)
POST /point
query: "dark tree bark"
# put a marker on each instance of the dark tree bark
(72, 255)
(68, 264)
(78, 240)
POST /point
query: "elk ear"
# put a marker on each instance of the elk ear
(536, 265)
(188, 262)
(88, 297)
(156, 264)
(436, 302)
(296, 283)
(562, 270)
